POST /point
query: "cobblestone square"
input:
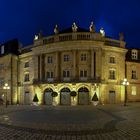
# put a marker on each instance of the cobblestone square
(103, 122)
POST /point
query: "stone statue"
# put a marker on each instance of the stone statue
(102, 32)
(92, 27)
(36, 37)
(121, 35)
(74, 27)
(40, 35)
(56, 30)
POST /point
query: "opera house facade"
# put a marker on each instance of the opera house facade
(74, 60)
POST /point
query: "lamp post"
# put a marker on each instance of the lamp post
(6, 87)
(125, 83)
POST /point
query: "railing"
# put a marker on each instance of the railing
(88, 80)
(77, 36)
(112, 43)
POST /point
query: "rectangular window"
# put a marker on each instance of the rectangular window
(134, 54)
(112, 74)
(83, 57)
(134, 74)
(1, 81)
(134, 90)
(49, 75)
(83, 73)
(66, 73)
(66, 58)
(26, 77)
(50, 60)
(112, 60)
(26, 65)
(2, 49)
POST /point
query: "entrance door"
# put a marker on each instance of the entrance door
(83, 96)
(27, 99)
(112, 97)
(48, 97)
(65, 96)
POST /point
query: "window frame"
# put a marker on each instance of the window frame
(83, 57)
(26, 77)
(112, 60)
(112, 74)
(66, 74)
(50, 59)
(134, 54)
(66, 57)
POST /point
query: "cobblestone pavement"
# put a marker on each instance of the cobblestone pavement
(108, 122)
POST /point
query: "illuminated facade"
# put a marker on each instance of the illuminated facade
(74, 60)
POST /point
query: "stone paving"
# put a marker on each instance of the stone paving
(108, 122)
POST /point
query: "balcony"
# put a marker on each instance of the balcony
(77, 36)
(76, 80)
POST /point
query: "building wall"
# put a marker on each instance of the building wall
(133, 82)
(97, 70)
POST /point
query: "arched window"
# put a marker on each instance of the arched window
(65, 90)
(83, 89)
(48, 90)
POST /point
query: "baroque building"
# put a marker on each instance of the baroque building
(72, 60)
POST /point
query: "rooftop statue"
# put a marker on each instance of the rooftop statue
(92, 27)
(56, 29)
(40, 35)
(74, 27)
(121, 35)
(102, 32)
(36, 37)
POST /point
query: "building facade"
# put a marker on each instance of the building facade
(72, 60)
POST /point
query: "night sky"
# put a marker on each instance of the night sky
(23, 19)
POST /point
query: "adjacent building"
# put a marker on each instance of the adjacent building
(73, 60)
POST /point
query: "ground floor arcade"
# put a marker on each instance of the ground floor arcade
(84, 93)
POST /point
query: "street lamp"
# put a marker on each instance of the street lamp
(125, 83)
(6, 87)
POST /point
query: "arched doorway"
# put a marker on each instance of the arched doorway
(48, 96)
(27, 98)
(65, 98)
(83, 96)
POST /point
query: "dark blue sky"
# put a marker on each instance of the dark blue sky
(23, 19)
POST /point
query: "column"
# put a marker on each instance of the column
(57, 66)
(43, 66)
(92, 64)
(74, 65)
(38, 67)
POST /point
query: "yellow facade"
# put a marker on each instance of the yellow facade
(86, 52)
(86, 63)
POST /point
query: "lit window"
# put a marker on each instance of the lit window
(26, 77)
(66, 57)
(49, 74)
(66, 73)
(134, 54)
(2, 49)
(26, 65)
(50, 59)
(134, 74)
(112, 74)
(133, 90)
(83, 57)
(83, 73)
(1, 81)
(112, 60)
